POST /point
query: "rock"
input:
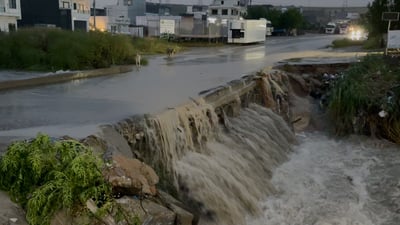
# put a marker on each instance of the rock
(183, 215)
(149, 213)
(116, 144)
(314, 82)
(98, 145)
(299, 85)
(131, 177)
(63, 218)
(10, 213)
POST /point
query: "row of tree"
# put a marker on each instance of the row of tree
(373, 20)
(288, 19)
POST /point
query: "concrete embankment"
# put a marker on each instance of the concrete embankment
(64, 77)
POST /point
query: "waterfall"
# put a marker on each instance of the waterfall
(220, 170)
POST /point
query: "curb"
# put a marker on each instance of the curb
(61, 78)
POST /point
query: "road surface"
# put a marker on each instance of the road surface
(76, 108)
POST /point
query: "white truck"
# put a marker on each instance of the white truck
(270, 28)
(330, 28)
(247, 31)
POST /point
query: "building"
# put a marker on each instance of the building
(227, 9)
(136, 8)
(119, 17)
(10, 12)
(65, 14)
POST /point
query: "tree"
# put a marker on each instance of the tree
(256, 12)
(375, 25)
(274, 15)
(292, 19)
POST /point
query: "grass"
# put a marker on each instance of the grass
(346, 42)
(373, 43)
(369, 44)
(151, 46)
(365, 90)
(38, 49)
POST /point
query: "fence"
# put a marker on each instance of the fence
(184, 27)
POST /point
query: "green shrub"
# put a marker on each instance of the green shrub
(346, 42)
(366, 89)
(45, 176)
(53, 49)
(373, 43)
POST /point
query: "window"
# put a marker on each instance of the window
(12, 27)
(12, 4)
(113, 29)
(234, 12)
(224, 12)
(222, 2)
(237, 33)
(65, 5)
(127, 2)
(74, 6)
(214, 12)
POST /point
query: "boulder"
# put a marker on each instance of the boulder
(130, 176)
(98, 145)
(115, 142)
(148, 212)
(183, 215)
(10, 213)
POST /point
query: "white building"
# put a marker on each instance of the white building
(10, 12)
(118, 20)
(80, 13)
(65, 14)
(227, 9)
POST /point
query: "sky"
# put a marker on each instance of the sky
(316, 3)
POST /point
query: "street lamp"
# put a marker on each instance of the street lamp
(94, 14)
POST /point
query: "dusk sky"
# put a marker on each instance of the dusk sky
(327, 3)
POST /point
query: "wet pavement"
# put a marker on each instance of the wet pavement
(78, 107)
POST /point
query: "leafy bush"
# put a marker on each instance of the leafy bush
(366, 89)
(53, 49)
(45, 176)
(373, 43)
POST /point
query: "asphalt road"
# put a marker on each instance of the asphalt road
(76, 108)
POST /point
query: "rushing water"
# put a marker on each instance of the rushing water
(222, 171)
(253, 170)
(336, 182)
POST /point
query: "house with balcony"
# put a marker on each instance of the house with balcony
(118, 17)
(10, 12)
(65, 14)
(227, 9)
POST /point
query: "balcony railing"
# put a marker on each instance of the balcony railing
(83, 11)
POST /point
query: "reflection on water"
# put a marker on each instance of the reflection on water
(254, 55)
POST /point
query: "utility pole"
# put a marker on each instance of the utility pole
(94, 14)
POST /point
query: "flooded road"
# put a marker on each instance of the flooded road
(76, 108)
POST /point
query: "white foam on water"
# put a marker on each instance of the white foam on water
(326, 182)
